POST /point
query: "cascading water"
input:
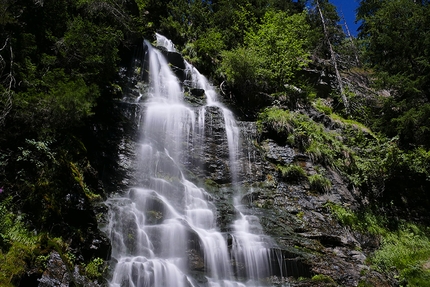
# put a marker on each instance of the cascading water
(164, 232)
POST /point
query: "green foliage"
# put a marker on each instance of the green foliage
(398, 50)
(183, 21)
(364, 221)
(17, 245)
(282, 40)
(57, 59)
(12, 227)
(56, 103)
(345, 216)
(405, 250)
(413, 126)
(272, 54)
(206, 50)
(322, 107)
(91, 49)
(42, 260)
(299, 130)
(235, 19)
(349, 124)
(367, 160)
(319, 183)
(292, 172)
(364, 284)
(295, 172)
(13, 263)
(275, 119)
(241, 68)
(95, 269)
(400, 37)
(322, 278)
(210, 43)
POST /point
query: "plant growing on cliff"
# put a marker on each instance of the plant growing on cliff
(292, 172)
(319, 183)
(321, 278)
(368, 161)
(322, 145)
(365, 222)
(17, 245)
(96, 268)
(14, 263)
(404, 249)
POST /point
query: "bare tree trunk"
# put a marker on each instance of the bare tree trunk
(6, 95)
(333, 59)
(352, 42)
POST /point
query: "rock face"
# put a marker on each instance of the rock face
(298, 218)
(58, 274)
(310, 239)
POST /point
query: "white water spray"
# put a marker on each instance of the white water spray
(164, 233)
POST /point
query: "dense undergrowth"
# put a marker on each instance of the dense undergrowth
(404, 249)
(23, 249)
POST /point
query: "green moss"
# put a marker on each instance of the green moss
(153, 216)
(13, 263)
(79, 178)
(322, 278)
(210, 182)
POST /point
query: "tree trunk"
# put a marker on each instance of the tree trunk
(333, 59)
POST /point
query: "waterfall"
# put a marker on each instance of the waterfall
(164, 232)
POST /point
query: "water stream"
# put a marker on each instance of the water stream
(164, 232)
